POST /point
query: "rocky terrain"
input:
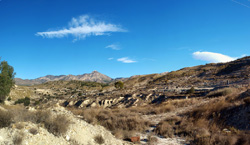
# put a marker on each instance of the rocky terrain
(206, 104)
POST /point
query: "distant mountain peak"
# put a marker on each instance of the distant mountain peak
(94, 76)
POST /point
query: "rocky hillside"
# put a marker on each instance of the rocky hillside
(94, 76)
(205, 104)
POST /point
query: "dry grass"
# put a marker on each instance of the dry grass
(56, 124)
(153, 109)
(184, 103)
(121, 122)
(221, 92)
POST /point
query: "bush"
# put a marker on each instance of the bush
(37, 103)
(33, 131)
(191, 91)
(164, 129)
(25, 101)
(18, 139)
(220, 92)
(119, 121)
(152, 140)
(119, 85)
(99, 139)
(57, 125)
(6, 79)
(5, 118)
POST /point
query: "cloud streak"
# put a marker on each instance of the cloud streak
(126, 60)
(82, 27)
(241, 3)
(212, 57)
(113, 46)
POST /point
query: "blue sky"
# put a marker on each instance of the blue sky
(120, 38)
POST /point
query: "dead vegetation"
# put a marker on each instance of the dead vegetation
(99, 139)
(208, 124)
(5, 118)
(221, 92)
(121, 122)
(55, 124)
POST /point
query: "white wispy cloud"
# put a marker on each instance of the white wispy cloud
(245, 5)
(82, 27)
(126, 60)
(212, 57)
(111, 58)
(114, 47)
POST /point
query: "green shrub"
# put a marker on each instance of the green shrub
(191, 91)
(25, 101)
(6, 79)
(37, 102)
(119, 85)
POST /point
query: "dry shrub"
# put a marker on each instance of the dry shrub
(18, 139)
(33, 131)
(164, 129)
(20, 125)
(184, 102)
(57, 125)
(20, 114)
(221, 92)
(210, 110)
(153, 109)
(99, 139)
(152, 140)
(42, 116)
(185, 128)
(220, 139)
(119, 134)
(118, 121)
(165, 108)
(5, 118)
(172, 120)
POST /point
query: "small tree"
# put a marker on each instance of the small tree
(191, 91)
(6, 79)
(119, 85)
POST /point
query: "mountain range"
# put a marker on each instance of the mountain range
(94, 76)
